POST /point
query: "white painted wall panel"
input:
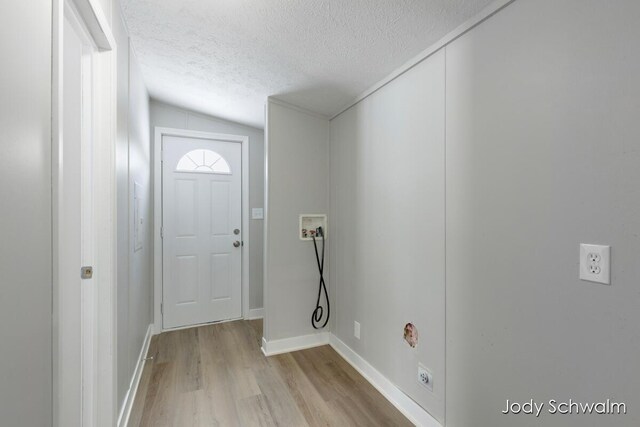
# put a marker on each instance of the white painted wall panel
(298, 150)
(133, 170)
(25, 214)
(387, 235)
(122, 208)
(141, 267)
(542, 154)
(165, 115)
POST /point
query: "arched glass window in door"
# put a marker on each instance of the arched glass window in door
(203, 161)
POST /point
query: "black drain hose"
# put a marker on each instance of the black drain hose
(316, 317)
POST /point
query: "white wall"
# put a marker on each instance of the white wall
(541, 154)
(387, 240)
(297, 183)
(141, 267)
(122, 214)
(543, 141)
(25, 214)
(133, 165)
(164, 115)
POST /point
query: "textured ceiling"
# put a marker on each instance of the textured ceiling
(224, 57)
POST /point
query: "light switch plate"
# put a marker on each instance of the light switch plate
(257, 213)
(595, 263)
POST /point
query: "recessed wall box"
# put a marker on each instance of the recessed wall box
(309, 224)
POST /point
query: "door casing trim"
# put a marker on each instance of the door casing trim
(159, 133)
(103, 380)
(102, 384)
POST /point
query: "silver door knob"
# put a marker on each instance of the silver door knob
(236, 244)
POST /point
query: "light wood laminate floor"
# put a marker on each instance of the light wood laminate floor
(216, 375)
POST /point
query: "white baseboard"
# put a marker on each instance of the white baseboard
(125, 412)
(410, 409)
(407, 406)
(255, 313)
(287, 345)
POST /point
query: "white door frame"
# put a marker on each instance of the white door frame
(102, 378)
(160, 132)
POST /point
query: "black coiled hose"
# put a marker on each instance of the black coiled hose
(318, 313)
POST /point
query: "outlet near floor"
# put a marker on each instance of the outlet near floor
(356, 329)
(424, 377)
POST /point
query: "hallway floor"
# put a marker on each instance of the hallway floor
(216, 375)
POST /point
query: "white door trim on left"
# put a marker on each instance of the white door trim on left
(102, 375)
(159, 133)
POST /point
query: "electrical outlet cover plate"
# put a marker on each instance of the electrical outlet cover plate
(595, 261)
(424, 377)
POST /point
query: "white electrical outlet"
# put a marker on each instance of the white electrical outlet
(595, 263)
(356, 329)
(424, 377)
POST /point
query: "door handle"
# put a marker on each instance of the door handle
(236, 244)
(86, 272)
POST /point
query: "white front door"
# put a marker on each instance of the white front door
(202, 235)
